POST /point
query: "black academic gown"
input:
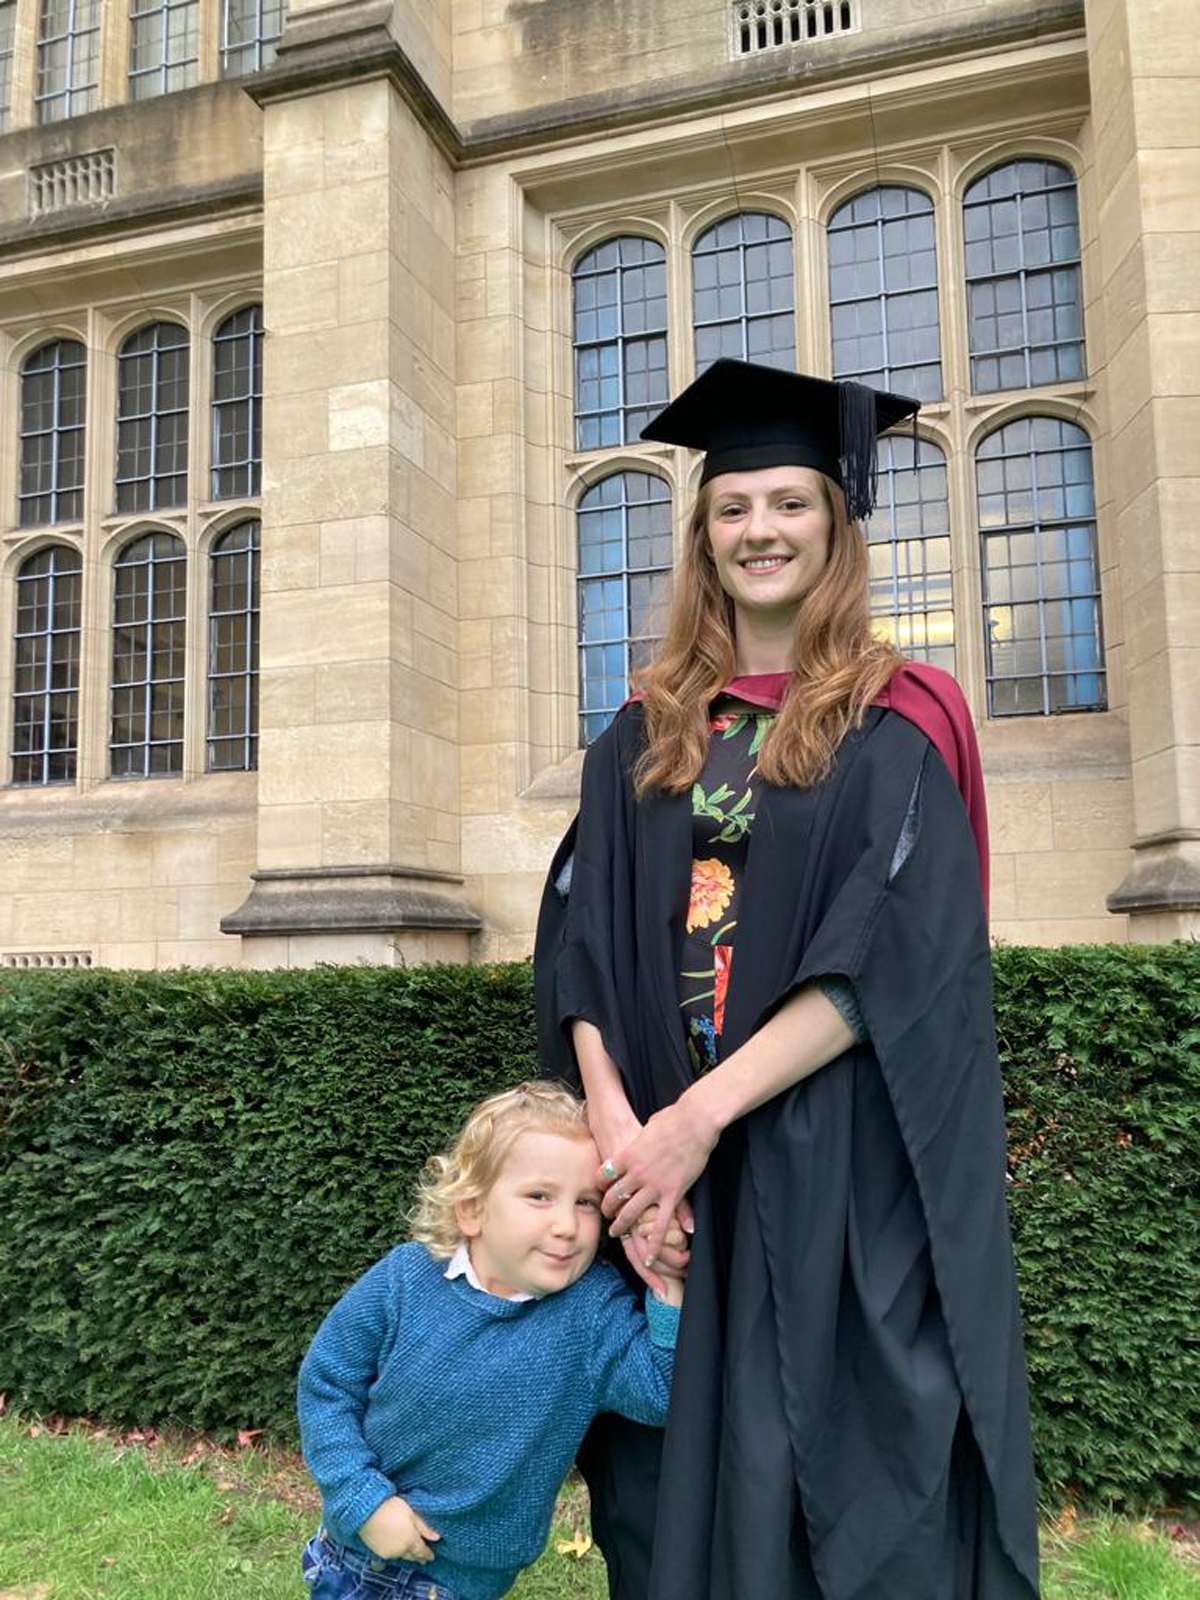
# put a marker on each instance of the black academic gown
(849, 1417)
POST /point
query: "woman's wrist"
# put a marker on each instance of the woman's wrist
(707, 1107)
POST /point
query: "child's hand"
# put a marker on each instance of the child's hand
(671, 1263)
(394, 1530)
(675, 1239)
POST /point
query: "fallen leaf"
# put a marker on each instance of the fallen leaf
(1065, 1526)
(226, 1516)
(577, 1547)
(33, 1591)
(3, 1404)
(33, 1433)
(193, 1456)
(247, 1436)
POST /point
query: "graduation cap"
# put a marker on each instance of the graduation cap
(745, 416)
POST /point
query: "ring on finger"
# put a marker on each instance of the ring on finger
(608, 1170)
(621, 1194)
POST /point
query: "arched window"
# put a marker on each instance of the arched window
(233, 651)
(149, 610)
(164, 46)
(883, 292)
(624, 541)
(237, 405)
(620, 340)
(68, 59)
(743, 291)
(1024, 294)
(250, 32)
(1041, 579)
(46, 686)
(152, 418)
(53, 395)
(908, 538)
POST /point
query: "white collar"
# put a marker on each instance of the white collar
(459, 1266)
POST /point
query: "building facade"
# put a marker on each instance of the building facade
(326, 537)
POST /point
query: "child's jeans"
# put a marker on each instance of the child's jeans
(332, 1572)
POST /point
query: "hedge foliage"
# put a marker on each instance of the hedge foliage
(195, 1164)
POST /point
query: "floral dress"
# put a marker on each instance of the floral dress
(723, 806)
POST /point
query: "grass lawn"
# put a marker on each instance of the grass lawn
(90, 1515)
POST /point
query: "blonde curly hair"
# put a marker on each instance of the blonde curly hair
(468, 1170)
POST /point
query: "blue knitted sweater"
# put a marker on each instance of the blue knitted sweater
(471, 1407)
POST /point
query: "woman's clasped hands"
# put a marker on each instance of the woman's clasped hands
(646, 1184)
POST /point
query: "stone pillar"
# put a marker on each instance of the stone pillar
(1144, 63)
(358, 821)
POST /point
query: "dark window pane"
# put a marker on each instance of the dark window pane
(46, 667)
(52, 401)
(883, 292)
(1024, 293)
(624, 546)
(620, 319)
(233, 650)
(148, 661)
(1043, 637)
(743, 294)
(237, 405)
(909, 546)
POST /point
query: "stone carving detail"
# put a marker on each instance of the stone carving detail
(771, 24)
(75, 181)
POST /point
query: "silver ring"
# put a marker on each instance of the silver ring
(609, 1170)
(621, 1194)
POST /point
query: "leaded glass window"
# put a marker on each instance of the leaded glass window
(250, 32)
(152, 418)
(149, 612)
(237, 405)
(8, 32)
(164, 46)
(233, 651)
(908, 541)
(1024, 291)
(1041, 579)
(743, 292)
(883, 292)
(624, 532)
(620, 340)
(53, 397)
(68, 59)
(46, 679)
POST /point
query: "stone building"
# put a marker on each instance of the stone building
(344, 328)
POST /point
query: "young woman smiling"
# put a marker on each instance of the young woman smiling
(763, 954)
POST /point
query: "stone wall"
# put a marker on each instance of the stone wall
(408, 197)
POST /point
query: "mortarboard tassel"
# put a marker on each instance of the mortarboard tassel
(860, 470)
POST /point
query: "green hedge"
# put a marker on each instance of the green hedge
(194, 1165)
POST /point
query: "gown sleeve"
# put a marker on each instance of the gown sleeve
(907, 927)
(580, 966)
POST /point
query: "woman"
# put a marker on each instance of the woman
(763, 952)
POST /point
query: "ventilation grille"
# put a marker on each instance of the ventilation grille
(760, 25)
(74, 181)
(45, 958)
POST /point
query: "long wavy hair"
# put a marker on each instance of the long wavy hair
(838, 663)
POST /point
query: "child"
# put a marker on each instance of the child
(444, 1396)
